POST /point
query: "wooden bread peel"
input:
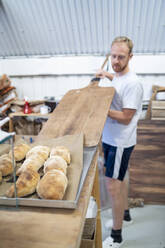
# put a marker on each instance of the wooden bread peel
(95, 81)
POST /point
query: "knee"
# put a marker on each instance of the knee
(114, 188)
(114, 192)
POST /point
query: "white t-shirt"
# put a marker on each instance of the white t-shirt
(128, 94)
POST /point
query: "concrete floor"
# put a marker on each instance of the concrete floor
(147, 229)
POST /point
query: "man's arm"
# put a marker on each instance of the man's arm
(103, 74)
(125, 116)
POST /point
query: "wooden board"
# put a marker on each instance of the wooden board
(75, 144)
(147, 164)
(31, 102)
(155, 90)
(83, 110)
(158, 104)
(158, 110)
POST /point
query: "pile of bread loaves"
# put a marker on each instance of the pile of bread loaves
(53, 183)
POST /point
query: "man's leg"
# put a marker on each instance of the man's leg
(114, 187)
(125, 189)
(126, 217)
(125, 193)
(116, 163)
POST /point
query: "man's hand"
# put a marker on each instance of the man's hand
(102, 74)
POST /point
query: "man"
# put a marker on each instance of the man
(119, 134)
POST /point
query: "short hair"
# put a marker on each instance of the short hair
(125, 40)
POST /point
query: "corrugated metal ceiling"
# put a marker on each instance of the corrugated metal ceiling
(79, 27)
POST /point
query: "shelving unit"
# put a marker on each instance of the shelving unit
(21, 114)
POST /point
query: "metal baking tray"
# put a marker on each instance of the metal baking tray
(88, 154)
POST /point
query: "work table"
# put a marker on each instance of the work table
(80, 111)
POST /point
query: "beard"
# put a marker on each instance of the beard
(118, 68)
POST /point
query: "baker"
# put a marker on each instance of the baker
(119, 133)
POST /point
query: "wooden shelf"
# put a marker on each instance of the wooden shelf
(21, 114)
(32, 114)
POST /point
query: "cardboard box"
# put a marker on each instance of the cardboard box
(88, 243)
(89, 232)
(89, 228)
(90, 220)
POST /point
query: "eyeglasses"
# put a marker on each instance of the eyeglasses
(119, 57)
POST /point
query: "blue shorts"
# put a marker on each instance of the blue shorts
(116, 161)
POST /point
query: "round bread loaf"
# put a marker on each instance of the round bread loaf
(52, 185)
(55, 162)
(61, 151)
(0, 177)
(6, 166)
(35, 162)
(41, 150)
(20, 151)
(25, 185)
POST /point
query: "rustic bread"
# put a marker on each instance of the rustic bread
(0, 177)
(4, 82)
(6, 166)
(35, 162)
(25, 185)
(41, 150)
(61, 151)
(52, 185)
(55, 162)
(20, 151)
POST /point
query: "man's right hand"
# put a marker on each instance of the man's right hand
(102, 74)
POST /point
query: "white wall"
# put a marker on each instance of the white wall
(54, 76)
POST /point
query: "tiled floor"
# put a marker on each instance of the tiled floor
(147, 229)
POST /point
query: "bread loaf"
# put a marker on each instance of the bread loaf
(41, 150)
(61, 151)
(26, 184)
(4, 82)
(0, 177)
(6, 166)
(52, 185)
(35, 162)
(55, 162)
(20, 151)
